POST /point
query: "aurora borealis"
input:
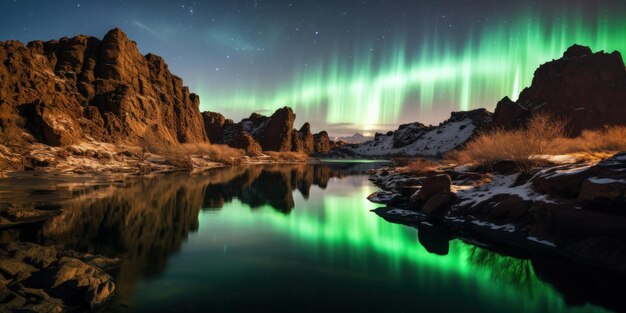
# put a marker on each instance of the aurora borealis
(344, 66)
(496, 62)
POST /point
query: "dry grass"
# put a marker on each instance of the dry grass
(532, 146)
(218, 153)
(287, 156)
(596, 142)
(527, 147)
(180, 155)
(422, 167)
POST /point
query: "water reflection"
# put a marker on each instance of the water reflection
(201, 242)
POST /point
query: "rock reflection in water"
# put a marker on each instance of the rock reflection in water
(147, 219)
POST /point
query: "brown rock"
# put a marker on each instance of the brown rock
(275, 133)
(567, 180)
(438, 204)
(586, 89)
(214, 126)
(434, 184)
(243, 140)
(604, 193)
(303, 140)
(505, 167)
(321, 142)
(67, 90)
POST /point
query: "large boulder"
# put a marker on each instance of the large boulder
(434, 184)
(586, 89)
(438, 204)
(602, 182)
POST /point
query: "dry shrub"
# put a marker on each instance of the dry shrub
(180, 155)
(218, 153)
(527, 147)
(287, 156)
(421, 167)
(605, 141)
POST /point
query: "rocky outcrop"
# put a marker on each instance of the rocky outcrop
(574, 209)
(64, 91)
(42, 279)
(303, 140)
(274, 133)
(214, 126)
(586, 89)
(321, 142)
(598, 187)
(416, 139)
(259, 133)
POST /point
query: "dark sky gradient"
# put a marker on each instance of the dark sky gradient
(233, 46)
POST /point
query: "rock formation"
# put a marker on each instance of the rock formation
(65, 91)
(262, 133)
(586, 89)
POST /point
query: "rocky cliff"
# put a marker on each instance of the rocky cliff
(259, 133)
(586, 89)
(65, 91)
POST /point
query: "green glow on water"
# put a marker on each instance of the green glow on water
(398, 85)
(328, 228)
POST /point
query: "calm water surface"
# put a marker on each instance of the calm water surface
(278, 238)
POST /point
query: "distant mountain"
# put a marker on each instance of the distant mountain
(416, 139)
(356, 138)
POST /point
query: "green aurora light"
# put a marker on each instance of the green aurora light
(399, 86)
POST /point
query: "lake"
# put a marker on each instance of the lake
(274, 238)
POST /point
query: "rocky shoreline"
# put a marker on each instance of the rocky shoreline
(42, 279)
(570, 209)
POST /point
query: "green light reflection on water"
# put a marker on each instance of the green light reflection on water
(335, 224)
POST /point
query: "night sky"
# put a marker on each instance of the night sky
(345, 66)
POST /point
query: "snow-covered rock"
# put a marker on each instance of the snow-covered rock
(418, 140)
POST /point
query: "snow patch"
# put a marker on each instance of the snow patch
(545, 242)
(604, 180)
(434, 142)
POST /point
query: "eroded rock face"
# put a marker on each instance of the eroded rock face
(321, 142)
(214, 126)
(82, 88)
(586, 89)
(303, 140)
(259, 133)
(274, 134)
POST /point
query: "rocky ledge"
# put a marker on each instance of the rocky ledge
(41, 279)
(574, 210)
